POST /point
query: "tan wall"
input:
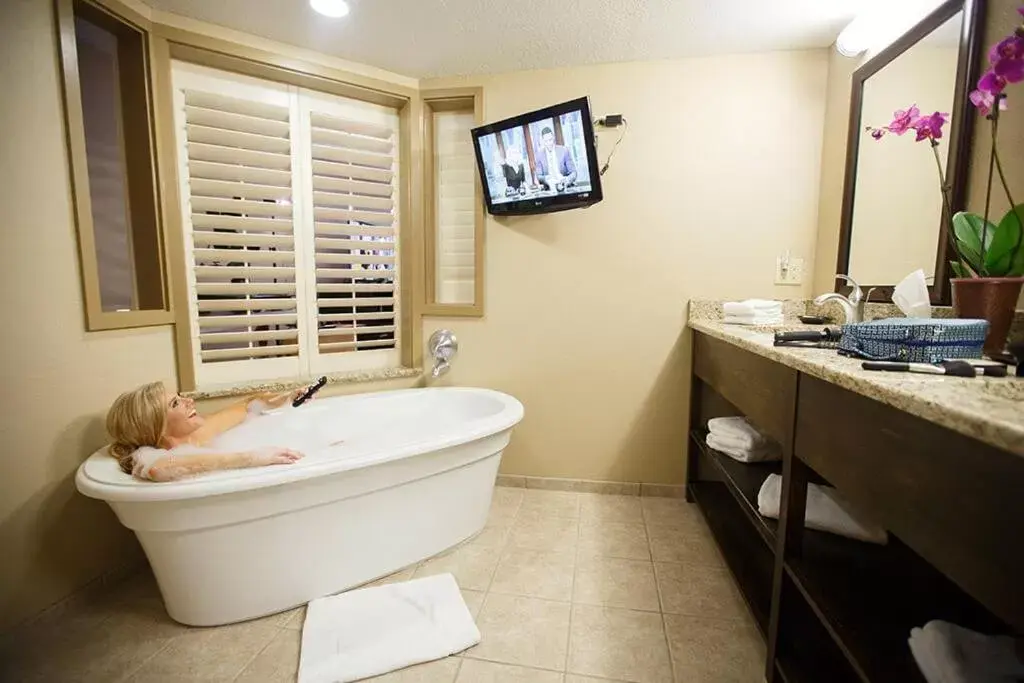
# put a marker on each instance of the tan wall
(58, 379)
(897, 208)
(585, 310)
(1001, 18)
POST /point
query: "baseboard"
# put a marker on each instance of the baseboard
(588, 486)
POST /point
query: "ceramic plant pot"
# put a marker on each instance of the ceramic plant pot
(990, 298)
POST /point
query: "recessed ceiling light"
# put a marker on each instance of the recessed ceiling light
(330, 8)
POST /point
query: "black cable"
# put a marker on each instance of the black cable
(608, 162)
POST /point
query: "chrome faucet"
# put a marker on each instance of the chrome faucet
(443, 346)
(853, 306)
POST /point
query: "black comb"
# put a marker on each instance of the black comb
(308, 394)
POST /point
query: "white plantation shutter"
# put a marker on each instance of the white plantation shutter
(454, 166)
(289, 202)
(236, 164)
(352, 172)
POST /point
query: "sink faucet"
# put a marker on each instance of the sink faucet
(853, 306)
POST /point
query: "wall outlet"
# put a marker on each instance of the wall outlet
(789, 270)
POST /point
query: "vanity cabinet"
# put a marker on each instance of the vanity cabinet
(831, 608)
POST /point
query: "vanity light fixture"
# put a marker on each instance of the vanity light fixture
(330, 8)
(880, 24)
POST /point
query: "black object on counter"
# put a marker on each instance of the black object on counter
(827, 338)
(320, 383)
(815, 319)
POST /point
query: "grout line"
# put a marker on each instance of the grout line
(458, 667)
(277, 632)
(572, 588)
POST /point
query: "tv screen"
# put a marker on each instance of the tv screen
(538, 162)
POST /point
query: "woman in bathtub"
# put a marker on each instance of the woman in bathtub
(158, 435)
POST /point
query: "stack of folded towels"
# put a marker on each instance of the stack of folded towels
(825, 511)
(740, 440)
(753, 312)
(947, 653)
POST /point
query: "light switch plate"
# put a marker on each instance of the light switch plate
(789, 270)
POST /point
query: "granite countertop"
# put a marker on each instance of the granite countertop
(335, 379)
(988, 409)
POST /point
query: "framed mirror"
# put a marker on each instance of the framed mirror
(892, 216)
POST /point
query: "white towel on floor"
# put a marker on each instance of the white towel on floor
(737, 451)
(947, 653)
(372, 631)
(826, 511)
(752, 308)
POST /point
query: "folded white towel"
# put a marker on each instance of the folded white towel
(759, 453)
(736, 429)
(372, 631)
(775, 319)
(947, 653)
(826, 511)
(752, 307)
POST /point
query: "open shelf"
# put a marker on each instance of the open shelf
(869, 597)
(743, 480)
(750, 562)
(808, 654)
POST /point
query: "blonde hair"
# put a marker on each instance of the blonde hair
(137, 418)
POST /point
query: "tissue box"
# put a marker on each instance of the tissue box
(914, 340)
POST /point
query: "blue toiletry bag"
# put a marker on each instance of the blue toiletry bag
(914, 340)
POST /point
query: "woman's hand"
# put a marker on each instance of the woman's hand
(274, 456)
(272, 400)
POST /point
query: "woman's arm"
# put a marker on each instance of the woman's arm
(216, 424)
(172, 467)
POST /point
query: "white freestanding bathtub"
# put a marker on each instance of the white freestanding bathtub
(412, 475)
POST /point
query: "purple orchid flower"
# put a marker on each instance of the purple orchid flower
(903, 120)
(1010, 70)
(930, 127)
(1010, 47)
(1020, 10)
(876, 133)
(984, 100)
(991, 82)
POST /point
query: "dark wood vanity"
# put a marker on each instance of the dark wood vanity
(833, 609)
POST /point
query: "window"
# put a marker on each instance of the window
(289, 204)
(455, 214)
(110, 142)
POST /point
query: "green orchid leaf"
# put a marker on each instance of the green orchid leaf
(1005, 245)
(958, 270)
(968, 229)
(1016, 216)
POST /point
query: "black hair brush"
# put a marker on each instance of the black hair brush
(953, 368)
(308, 394)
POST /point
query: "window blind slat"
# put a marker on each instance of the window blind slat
(335, 123)
(241, 206)
(243, 256)
(323, 136)
(240, 288)
(329, 230)
(354, 201)
(321, 182)
(231, 190)
(249, 352)
(354, 273)
(376, 218)
(259, 335)
(346, 171)
(350, 317)
(247, 320)
(231, 138)
(202, 221)
(250, 272)
(346, 288)
(354, 345)
(230, 120)
(238, 105)
(234, 239)
(322, 258)
(350, 156)
(198, 151)
(348, 329)
(248, 174)
(261, 304)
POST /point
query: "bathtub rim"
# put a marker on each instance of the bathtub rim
(134, 491)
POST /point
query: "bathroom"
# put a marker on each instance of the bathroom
(734, 158)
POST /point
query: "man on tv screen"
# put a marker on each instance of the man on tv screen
(555, 167)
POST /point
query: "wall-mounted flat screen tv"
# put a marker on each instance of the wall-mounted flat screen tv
(539, 162)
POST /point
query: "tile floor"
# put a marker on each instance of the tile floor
(565, 587)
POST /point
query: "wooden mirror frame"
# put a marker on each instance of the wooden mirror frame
(959, 139)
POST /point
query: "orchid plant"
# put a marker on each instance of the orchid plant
(983, 249)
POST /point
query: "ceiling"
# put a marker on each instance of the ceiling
(427, 38)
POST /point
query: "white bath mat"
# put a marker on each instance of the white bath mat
(372, 631)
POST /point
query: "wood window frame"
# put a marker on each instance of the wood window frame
(173, 43)
(462, 100)
(143, 197)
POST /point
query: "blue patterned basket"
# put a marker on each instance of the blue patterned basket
(914, 340)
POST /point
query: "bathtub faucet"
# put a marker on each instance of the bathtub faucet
(443, 346)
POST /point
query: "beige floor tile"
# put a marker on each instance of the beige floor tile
(471, 565)
(564, 504)
(296, 618)
(675, 512)
(536, 574)
(524, 631)
(715, 651)
(573, 678)
(283, 619)
(536, 533)
(698, 591)
(474, 601)
(619, 644)
(492, 536)
(398, 577)
(209, 654)
(613, 582)
(277, 663)
(614, 539)
(477, 671)
(690, 546)
(504, 505)
(595, 507)
(440, 671)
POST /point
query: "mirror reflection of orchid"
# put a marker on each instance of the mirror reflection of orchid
(983, 249)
